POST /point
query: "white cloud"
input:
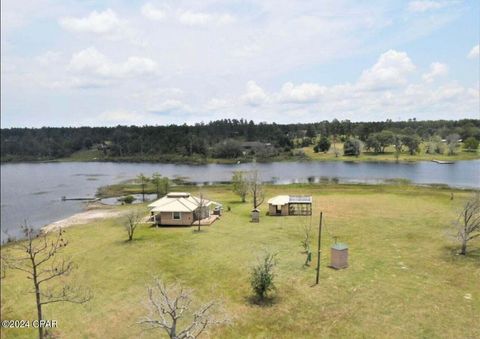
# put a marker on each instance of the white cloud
(437, 69)
(49, 57)
(90, 62)
(474, 52)
(96, 22)
(169, 106)
(426, 5)
(303, 93)
(153, 13)
(201, 19)
(215, 104)
(255, 95)
(391, 70)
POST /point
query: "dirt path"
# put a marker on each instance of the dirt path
(93, 213)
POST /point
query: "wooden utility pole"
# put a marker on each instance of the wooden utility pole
(319, 246)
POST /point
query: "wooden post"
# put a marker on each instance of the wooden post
(319, 246)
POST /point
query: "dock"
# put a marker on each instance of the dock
(443, 162)
(64, 198)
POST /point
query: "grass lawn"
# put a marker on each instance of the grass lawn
(404, 279)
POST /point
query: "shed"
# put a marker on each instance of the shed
(290, 205)
(255, 215)
(339, 256)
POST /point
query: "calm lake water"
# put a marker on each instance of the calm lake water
(32, 191)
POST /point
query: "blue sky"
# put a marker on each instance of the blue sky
(77, 63)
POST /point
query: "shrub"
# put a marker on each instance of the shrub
(262, 276)
(470, 144)
(352, 147)
(227, 149)
(127, 200)
(323, 145)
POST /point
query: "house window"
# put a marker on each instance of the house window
(176, 215)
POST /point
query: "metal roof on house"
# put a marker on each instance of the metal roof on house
(290, 199)
(178, 202)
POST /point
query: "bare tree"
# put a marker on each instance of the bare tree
(131, 222)
(200, 210)
(468, 222)
(167, 306)
(38, 258)
(256, 188)
(240, 184)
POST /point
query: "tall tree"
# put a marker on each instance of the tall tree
(143, 180)
(161, 184)
(38, 258)
(452, 143)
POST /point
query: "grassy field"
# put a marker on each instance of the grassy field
(388, 156)
(404, 280)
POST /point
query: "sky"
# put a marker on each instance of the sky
(111, 62)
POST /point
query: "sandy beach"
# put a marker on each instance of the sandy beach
(93, 212)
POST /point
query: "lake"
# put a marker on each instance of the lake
(33, 191)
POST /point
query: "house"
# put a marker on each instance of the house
(290, 205)
(182, 209)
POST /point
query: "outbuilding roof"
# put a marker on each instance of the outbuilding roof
(290, 199)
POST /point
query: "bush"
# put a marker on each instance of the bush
(262, 276)
(352, 147)
(323, 145)
(470, 144)
(228, 149)
(127, 200)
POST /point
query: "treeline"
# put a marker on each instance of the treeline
(228, 138)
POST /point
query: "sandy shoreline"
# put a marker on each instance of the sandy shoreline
(94, 212)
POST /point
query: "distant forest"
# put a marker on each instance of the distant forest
(222, 139)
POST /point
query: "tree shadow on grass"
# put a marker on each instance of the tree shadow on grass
(452, 254)
(265, 302)
(124, 242)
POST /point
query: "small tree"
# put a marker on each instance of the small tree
(323, 145)
(307, 236)
(168, 305)
(38, 258)
(240, 184)
(200, 210)
(262, 276)
(468, 222)
(143, 183)
(131, 222)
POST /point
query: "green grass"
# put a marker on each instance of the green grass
(404, 279)
(389, 155)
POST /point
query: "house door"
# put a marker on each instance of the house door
(278, 209)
